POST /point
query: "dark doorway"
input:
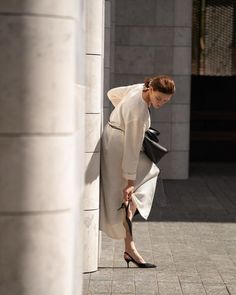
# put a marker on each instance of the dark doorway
(213, 119)
(213, 98)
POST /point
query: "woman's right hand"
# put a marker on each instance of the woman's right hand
(128, 190)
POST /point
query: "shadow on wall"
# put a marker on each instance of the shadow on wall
(93, 166)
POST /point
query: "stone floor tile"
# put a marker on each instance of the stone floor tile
(86, 276)
(123, 275)
(167, 288)
(85, 286)
(123, 287)
(106, 263)
(99, 286)
(147, 287)
(216, 289)
(189, 278)
(192, 289)
(231, 288)
(165, 266)
(192, 240)
(185, 268)
(228, 276)
(212, 277)
(167, 276)
(145, 275)
(120, 263)
(205, 266)
(103, 274)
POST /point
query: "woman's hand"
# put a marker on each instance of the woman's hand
(128, 190)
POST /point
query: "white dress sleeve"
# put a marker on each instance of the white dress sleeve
(133, 140)
(115, 95)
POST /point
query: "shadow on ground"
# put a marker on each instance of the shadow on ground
(208, 195)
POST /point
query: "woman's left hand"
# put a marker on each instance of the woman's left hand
(128, 190)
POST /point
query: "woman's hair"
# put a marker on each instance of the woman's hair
(162, 83)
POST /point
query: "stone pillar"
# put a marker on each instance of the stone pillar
(178, 161)
(80, 109)
(109, 55)
(93, 119)
(38, 169)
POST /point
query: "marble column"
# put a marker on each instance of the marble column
(80, 109)
(93, 127)
(38, 168)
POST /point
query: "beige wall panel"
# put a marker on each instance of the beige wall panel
(95, 26)
(90, 240)
(92, 171)
(94, 81)
(36, 254)
(180, 113)
(182, 94)
(52, 7)
(37, 56)
(182, 61)
(175, 165)
(37, 173)
(92, 132)
(180, 137)
(183, 13)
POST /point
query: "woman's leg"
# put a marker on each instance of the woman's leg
(129, 242)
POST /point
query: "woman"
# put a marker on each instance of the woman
(127, 174)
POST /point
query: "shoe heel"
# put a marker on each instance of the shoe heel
(127, 261)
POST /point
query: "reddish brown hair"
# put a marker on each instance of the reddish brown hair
(162, 83)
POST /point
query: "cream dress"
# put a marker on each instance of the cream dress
(122, 158)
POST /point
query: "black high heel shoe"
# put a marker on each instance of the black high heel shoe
(139, 264)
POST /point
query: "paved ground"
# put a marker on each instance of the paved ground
(191, 237)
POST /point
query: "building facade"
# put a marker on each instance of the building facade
(58, 59)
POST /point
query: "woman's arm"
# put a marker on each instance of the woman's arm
(115, 95)
(128, 190)
(133, 140)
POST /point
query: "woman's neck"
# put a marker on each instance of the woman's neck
(145, 96)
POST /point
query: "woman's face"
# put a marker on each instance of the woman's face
(157, 98)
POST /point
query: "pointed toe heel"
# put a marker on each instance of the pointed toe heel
(139, 264)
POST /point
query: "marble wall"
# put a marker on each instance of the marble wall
(80, 145)
(38, 147)
(109, 56)
(154, 37)
(95, 10)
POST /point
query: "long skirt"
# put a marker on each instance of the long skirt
(113, 183)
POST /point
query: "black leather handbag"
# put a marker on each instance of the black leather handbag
(151, 145)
